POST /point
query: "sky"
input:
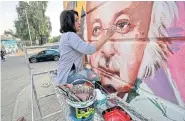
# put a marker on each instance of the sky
(8, 15)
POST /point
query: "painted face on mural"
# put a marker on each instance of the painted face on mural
(120, 58)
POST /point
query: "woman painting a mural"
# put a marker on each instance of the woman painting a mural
(72, 48)
(143, 59)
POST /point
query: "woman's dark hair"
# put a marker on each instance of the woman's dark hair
(67, 21)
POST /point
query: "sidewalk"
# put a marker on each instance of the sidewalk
(48, 104)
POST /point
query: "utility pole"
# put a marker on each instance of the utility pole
(28, 27)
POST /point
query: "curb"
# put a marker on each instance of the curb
(15, 110)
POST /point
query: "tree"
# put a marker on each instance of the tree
(32, 12)
(54, 39)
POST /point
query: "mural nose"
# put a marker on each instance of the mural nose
(108, 51)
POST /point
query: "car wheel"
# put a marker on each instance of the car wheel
(33, 60)
(56, 58)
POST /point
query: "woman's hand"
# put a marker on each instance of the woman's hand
(110, 31)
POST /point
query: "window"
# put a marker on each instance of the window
(50, 52)
(41, 53)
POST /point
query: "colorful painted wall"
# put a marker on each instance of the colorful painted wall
(10, 46)
(145, 58)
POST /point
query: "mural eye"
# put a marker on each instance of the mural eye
(123, 26)
(96, 31)
(97, 28)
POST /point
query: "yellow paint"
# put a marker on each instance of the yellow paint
(80, 5)
(65, 4)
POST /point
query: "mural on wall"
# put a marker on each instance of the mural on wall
(10, 46)
(145, 59)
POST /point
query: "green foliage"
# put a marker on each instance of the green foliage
(39, 23)
(54, 39)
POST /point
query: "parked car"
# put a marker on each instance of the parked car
(45, 55)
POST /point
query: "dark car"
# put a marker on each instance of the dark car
(45, 55)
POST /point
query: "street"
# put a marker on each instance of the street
(15, 77)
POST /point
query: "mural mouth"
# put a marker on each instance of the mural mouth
(109, 72)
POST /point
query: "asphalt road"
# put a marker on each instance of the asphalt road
(14, 78)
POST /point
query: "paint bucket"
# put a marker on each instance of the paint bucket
(82, 110)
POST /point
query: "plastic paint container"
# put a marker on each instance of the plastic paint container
(82, 110)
